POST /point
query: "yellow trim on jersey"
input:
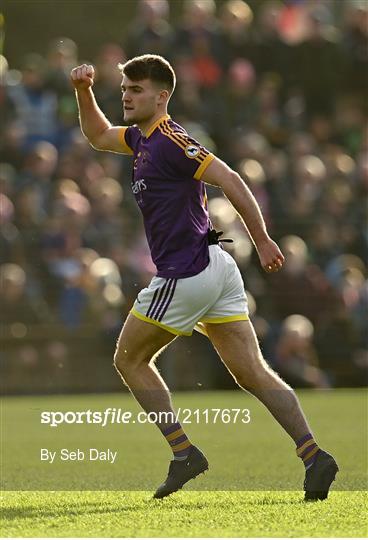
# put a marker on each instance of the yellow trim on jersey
(203, 166)
(174, 136)
(126, 149)
(165, 131)
(156, 323)
(181, 139)
(204, 158)
(230, 318)
(156, 124)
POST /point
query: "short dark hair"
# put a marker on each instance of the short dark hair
(152, 67)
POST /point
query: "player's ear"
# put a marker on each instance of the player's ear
(163, 97)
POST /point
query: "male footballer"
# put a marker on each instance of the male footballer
(198, 284)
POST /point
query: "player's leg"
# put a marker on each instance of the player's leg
(238, 347)
(138, 345)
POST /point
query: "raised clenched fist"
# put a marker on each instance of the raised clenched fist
(82, 76)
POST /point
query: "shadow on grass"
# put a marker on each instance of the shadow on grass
(27, 512)
(33, 512)
(219, 504)
(9, 513)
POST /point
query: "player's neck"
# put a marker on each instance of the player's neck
(146, 126)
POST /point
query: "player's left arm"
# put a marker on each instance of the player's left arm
(220, 174)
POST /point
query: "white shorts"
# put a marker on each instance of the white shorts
(215, 295)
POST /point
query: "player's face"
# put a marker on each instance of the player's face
(140, 100)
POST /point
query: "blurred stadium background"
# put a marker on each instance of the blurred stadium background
(276, 89)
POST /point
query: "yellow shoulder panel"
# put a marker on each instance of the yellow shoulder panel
(125, 148)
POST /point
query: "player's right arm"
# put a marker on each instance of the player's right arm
(220, 174)
(94, 124)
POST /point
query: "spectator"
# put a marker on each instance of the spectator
(240, 94)
(236, 18)
(302, 286)
(151, 32)
(273, 55)
(199, 25)
(20, 306)
(296, 357)
(321, 49)
(36, 107)
(62, 56)
(355, 44)
(108, 82)
(11, 248)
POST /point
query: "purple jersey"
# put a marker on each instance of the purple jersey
(167, 168)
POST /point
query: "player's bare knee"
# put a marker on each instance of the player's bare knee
(121, 361)
(245, 379)
(120, 372)
(127, 363)
(254, 373)
(119, 364)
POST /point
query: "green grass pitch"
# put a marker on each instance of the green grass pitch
(253, 487)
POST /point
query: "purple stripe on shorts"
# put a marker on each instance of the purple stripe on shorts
(158, 307)
(154, 304)
(179, 440)
(169, 301)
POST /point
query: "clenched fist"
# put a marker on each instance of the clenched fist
(82, 77)
(270, 255)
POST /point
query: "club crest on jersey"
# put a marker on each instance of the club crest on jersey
(192, 151)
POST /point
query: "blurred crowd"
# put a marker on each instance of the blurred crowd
(281, 96)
